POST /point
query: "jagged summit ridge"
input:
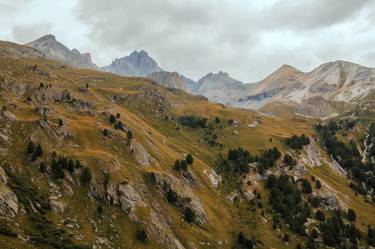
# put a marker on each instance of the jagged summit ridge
(138, 63)
(221, 87)
(55, 50)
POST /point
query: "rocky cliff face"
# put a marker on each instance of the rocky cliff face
(338, 81)
(55, 50)
(136, 64)
(220, 87)
(330, 82)
(168, 79)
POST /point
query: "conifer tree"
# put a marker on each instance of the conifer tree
(86, 176)
(112, 119)
(30, 147)
(189, 159)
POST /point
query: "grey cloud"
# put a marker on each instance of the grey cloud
(196, 37)
(313, 14)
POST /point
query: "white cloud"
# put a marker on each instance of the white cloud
(247, 38)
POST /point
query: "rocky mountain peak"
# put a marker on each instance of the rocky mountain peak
(57, 51)
(138, 63)
(286, 67)
(283, 77)
(218, 76)
(48, 37)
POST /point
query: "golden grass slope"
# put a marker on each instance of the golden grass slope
(143, 108)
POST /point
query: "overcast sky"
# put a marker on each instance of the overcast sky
(246, 38)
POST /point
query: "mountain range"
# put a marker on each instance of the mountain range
(95, 160)
(332, 82)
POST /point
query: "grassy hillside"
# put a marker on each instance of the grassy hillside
(128, 200)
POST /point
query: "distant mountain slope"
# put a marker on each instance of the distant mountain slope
(55, 50)
(284, 77)
(124, 163)
(310, 94)
(274, 87)
(168, 79)
(13, 50)
(330, 82)
(136, 64)
(220, 87)
(338, 81)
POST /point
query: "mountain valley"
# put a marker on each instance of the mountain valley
(132, 156)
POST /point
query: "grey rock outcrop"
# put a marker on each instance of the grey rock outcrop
(162, 232)
(183, 192)
(8, 199)
(8, 202)
(138, 64)
(57, 51)
(129, 198)
(7, 116)
(170, 79)
(141, 155)
(3, 177)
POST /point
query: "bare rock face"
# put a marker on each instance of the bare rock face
(8, 199)
(136, 64)
(162, 233)
(141, 155)
(129, 198)
(3, 177)
(7, 116)
(55, 50)
(220, 87)
(183, 193)
(315, 107)
(112, 193)
(123, 194)
(97, 190)
(214, 178)
(169, 79)
(8, 202)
